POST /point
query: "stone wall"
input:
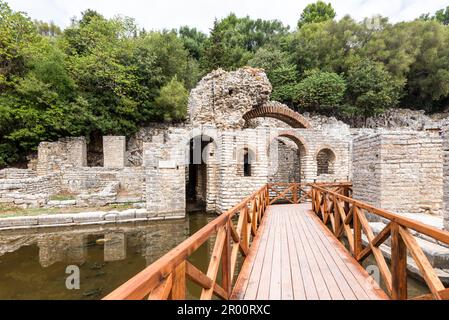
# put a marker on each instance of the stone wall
(288, 160)
(165, 171)
(114, 151)
(62, 154)
(400, 171)
(445, 135)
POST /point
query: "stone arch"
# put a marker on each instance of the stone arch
(325, 160)
(281, 170)
(280, 112)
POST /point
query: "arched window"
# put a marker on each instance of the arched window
(325, 162)
(246, 164)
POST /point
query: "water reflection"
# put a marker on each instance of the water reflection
(33, 262)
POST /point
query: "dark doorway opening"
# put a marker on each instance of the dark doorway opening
(196, 186)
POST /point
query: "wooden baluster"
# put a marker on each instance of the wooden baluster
(178, 291)
(295, 193)
(313, 200)
(346, 194)
(337, 217)
(357, 232)
(398, 264)
(226, 261)
(245, 231)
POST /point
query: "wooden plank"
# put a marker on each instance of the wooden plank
(398, 265)
(357, 231)
(257, 249)
(333, 265)
(346, 227)
(378, 255)
(320, 283)
(311, 292)
(299, 292)
(357, 277)
(275, 291)
(197, 276)
(163, 290)
(241, 230)
(377, 241)
(325, 270)
(226, 261)
(178, 291)
(420, 227)
(444, 294)
(286, 269)
(427, 271)
(264, 277)
(144, 282)
(214, 263)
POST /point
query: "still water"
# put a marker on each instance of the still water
(33, 262)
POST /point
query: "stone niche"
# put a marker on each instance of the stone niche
(114, 151)
(400, 171)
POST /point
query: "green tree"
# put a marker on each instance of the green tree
(327, 46)
(172, 101)
(194, 41)
(233, 41)
(443, 16)
(316, 12)
(371, 88)
(321, 90)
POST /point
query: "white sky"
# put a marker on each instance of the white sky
(160, 14)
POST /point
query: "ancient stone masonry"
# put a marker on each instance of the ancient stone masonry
(236, 140)
(222, 98)
(400, 171)
(445, 135)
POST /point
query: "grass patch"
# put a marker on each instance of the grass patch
(62, 197)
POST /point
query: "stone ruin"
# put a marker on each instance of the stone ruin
(243, 140)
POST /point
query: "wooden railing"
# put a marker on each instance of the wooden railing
(233, 232)
(347, 218)
(295, 193)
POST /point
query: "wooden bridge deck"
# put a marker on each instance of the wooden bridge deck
(295, 257)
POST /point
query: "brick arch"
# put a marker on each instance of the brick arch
(282, 113)
(292, 135)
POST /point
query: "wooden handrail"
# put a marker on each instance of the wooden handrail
(166, 278)
(340, 209)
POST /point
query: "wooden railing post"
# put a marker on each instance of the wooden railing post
(226, 261)
(295, 193)
(178, 291)
(398, 264)
(357, 232)
(313, 200)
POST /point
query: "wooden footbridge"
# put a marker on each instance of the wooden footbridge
(311, 248)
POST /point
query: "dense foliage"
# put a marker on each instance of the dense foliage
(108, 76)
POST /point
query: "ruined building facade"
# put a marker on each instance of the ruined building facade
(235, 141)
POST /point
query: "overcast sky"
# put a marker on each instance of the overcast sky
(160, 14)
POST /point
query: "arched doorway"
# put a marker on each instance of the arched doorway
(201, 174)
(287, 158)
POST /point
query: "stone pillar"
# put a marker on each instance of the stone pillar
(445, 136)
(114, 150)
